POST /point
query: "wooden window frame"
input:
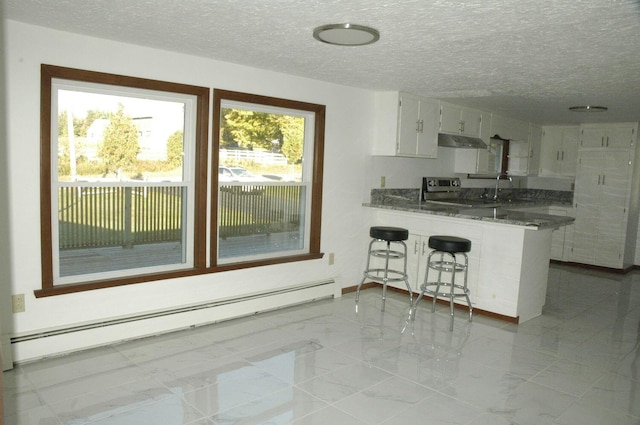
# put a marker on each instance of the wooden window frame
(50, 72)
(315, 215)
(201, 199)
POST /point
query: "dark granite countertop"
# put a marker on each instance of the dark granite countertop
(512, 212)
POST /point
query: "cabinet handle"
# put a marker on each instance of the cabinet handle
(415, 247)
(603, 176)
(421, 126)
(424, 244)
(557, 155)
(418, 126)
(607, 141)
(599, 178)
(461, 126)
(602, 141)
(562, 158)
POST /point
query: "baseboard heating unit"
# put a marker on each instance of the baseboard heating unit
(37, 345)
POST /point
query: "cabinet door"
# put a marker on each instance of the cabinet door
(607, 136)
(587, 201)
(408, 126)
(612, 217)
(550, 151)
(450, 121)
(615, 177)
(569, 151)
(619, 137)
(535, 143)
(417, 251)
(518, 158)
(428, 128)
(592, 137)
(471, 120)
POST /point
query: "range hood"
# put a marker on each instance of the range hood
(458, 141)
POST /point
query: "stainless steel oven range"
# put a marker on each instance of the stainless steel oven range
(441, 189)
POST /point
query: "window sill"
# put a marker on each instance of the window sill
(110, 283)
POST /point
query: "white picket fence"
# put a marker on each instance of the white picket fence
(262, 157)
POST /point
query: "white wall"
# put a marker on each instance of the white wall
(5, 251)
(344, 231)
(407, 173)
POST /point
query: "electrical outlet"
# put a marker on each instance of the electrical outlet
(331, 258)
(18, 303)
(383, 181)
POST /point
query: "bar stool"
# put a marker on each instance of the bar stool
(387, 243)
(447, 250)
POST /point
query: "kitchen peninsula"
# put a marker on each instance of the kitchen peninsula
(510, 247)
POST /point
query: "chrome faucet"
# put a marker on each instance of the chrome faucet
(504, 177)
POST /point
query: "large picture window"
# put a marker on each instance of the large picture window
(124, 180)
(119, 178)
(268, 153)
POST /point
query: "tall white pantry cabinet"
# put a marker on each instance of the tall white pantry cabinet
(606, 195)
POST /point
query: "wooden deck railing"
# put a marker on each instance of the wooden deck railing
(91, 217)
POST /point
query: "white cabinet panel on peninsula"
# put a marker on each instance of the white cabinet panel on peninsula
(406, 125)
(508, 264)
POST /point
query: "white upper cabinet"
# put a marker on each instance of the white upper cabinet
(559, 151)
(535, 144)
(509, 128)
(602, 136)
(406, 125)
(456, 119)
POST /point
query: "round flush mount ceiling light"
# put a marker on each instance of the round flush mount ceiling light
(588, 108)
(346, 34)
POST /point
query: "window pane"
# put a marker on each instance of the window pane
(109, 228)
(259, 220)
(263, 188)
(123, 182)
(103, 137)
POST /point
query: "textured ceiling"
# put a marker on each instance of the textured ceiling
(528, 59)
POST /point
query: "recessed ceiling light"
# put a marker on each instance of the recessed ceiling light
(346, 34)
(588, 108)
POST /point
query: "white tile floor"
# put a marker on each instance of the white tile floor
(320, 363)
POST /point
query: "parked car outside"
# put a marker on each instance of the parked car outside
(233, 173)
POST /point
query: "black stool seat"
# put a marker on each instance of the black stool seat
(385, 233)
(450, 244)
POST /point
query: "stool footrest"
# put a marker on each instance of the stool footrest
(464, 292)
(392, 275)
(447, 266)
(382, 253)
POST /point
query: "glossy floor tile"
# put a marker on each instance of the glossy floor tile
(321, 363)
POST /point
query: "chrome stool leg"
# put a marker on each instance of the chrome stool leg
(448, 249)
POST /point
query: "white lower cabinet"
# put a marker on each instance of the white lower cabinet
(562, 237)
(418, 251)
